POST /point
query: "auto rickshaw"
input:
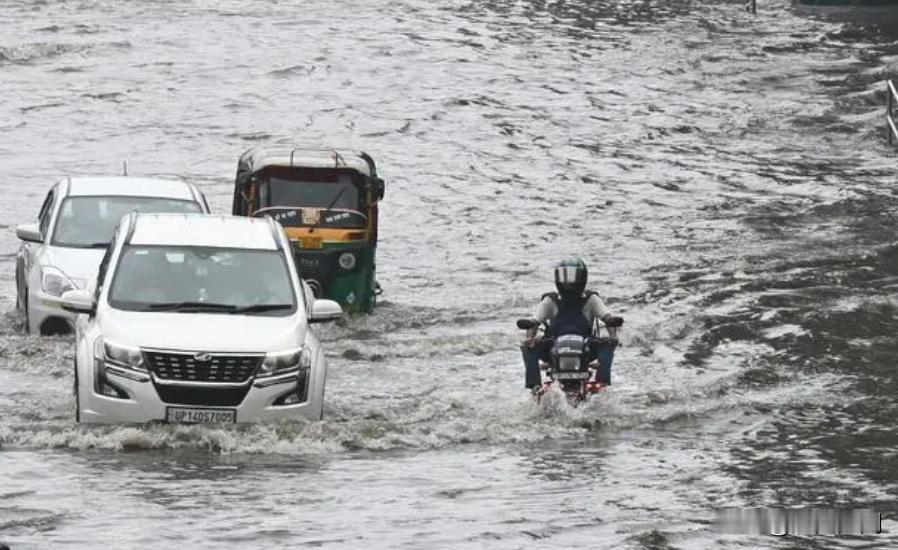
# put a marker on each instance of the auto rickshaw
(327, 202)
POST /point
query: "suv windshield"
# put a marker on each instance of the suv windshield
(88, 222)
(202, 279)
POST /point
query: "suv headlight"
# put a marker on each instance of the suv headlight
(120, 356)
(54, 282)
(285, 362)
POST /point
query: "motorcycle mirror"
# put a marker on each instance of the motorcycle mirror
(527, 324)
(614, 322)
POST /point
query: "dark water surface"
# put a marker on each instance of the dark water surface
(725, 176)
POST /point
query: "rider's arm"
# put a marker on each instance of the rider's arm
(546, 311)
(600, 311)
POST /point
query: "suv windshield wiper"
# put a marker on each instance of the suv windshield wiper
(103, 244)
(259, 308)
(174, 306)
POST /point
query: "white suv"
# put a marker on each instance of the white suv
(198, 319)
(63, 249)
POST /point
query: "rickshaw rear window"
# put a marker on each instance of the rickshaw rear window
(341, 194)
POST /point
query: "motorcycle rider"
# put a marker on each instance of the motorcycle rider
(571, 310)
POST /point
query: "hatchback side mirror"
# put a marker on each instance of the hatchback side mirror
(77, 301)
(324, 311)
(30, 232)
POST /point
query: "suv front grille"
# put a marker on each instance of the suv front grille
(208, 397)
(187, 367)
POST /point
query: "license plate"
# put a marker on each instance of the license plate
(571, 375)
(309, 242)
(200, 416)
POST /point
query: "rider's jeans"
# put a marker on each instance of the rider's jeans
(532, 376)
(543, 349)
(605, 354)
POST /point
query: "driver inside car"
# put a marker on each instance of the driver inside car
(571, 310)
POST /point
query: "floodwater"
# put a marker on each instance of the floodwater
(725, 176)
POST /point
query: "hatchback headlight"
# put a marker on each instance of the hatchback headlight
(54, 282)
(285, 362)
(120, 356)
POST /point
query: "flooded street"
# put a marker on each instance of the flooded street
(725, 176)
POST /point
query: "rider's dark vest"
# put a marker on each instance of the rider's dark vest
(570, 318)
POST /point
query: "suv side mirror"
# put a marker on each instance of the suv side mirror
(324, 311)
(77, 301)
(30, 232)
(527, 324)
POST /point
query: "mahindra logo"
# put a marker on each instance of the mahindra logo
(203, 357)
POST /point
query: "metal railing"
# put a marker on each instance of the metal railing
(892, 105)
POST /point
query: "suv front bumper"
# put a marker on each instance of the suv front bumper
(144, 403)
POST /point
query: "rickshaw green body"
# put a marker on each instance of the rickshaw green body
(327, 202)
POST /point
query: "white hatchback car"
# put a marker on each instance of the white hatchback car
(198, 319)
(62, 251)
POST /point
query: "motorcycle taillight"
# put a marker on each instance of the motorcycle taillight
(569, 344)
(568, 363)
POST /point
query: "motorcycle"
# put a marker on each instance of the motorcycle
(572, 361)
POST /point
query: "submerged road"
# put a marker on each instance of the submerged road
(725, 177)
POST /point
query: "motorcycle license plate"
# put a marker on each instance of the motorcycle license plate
(200, 416)
(309, 242)
(571, 375)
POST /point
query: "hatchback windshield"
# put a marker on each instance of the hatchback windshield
(200, 279)
(89, 222)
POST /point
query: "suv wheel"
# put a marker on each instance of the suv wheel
(25, 314)
(19, 304)
(77, 395)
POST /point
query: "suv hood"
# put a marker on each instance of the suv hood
(203, 331)
(76, 263)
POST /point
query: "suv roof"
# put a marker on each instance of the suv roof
(130, 186)
(203, 230)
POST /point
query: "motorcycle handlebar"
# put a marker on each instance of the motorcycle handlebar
(530, 323)
(614, 321)
(603, 341)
